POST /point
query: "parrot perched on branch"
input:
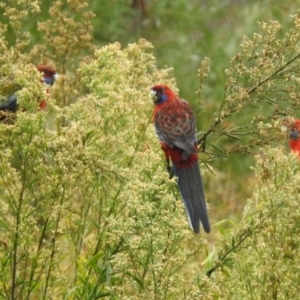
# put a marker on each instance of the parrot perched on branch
(49, 76)
(175, 126)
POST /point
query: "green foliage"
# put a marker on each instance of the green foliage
(262, 87)
(87, 209)
(260, 260)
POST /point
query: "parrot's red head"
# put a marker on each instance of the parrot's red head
(161, 93)
(49, 74)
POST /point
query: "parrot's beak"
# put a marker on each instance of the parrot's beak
(55, 76)
(153, 95)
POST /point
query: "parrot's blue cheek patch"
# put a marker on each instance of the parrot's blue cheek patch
(162, 98)
(294, 135)
(48, 80)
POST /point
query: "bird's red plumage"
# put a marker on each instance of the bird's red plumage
(48, 71)
(175, 126)
(174, 122)
(48, 77)
(175, 154)
(295, 143)
(43, 104)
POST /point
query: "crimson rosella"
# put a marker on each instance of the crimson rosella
(175, 126)
(49, 76)
(295, 137)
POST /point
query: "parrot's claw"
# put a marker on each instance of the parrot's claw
(171, 172)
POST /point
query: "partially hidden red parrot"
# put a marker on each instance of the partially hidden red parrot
(175, 126)
(295, 137)
(49, 77)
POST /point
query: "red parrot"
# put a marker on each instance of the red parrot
(295, 137)
(175, 127)
(49, 76)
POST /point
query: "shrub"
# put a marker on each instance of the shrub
(260, 260)
(87, 209)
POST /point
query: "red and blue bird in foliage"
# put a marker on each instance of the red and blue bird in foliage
(175, 126)
(49, 77)
(294, 136)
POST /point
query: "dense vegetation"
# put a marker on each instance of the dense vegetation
(87, 208)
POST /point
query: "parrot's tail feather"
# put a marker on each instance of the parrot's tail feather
(192, 192)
